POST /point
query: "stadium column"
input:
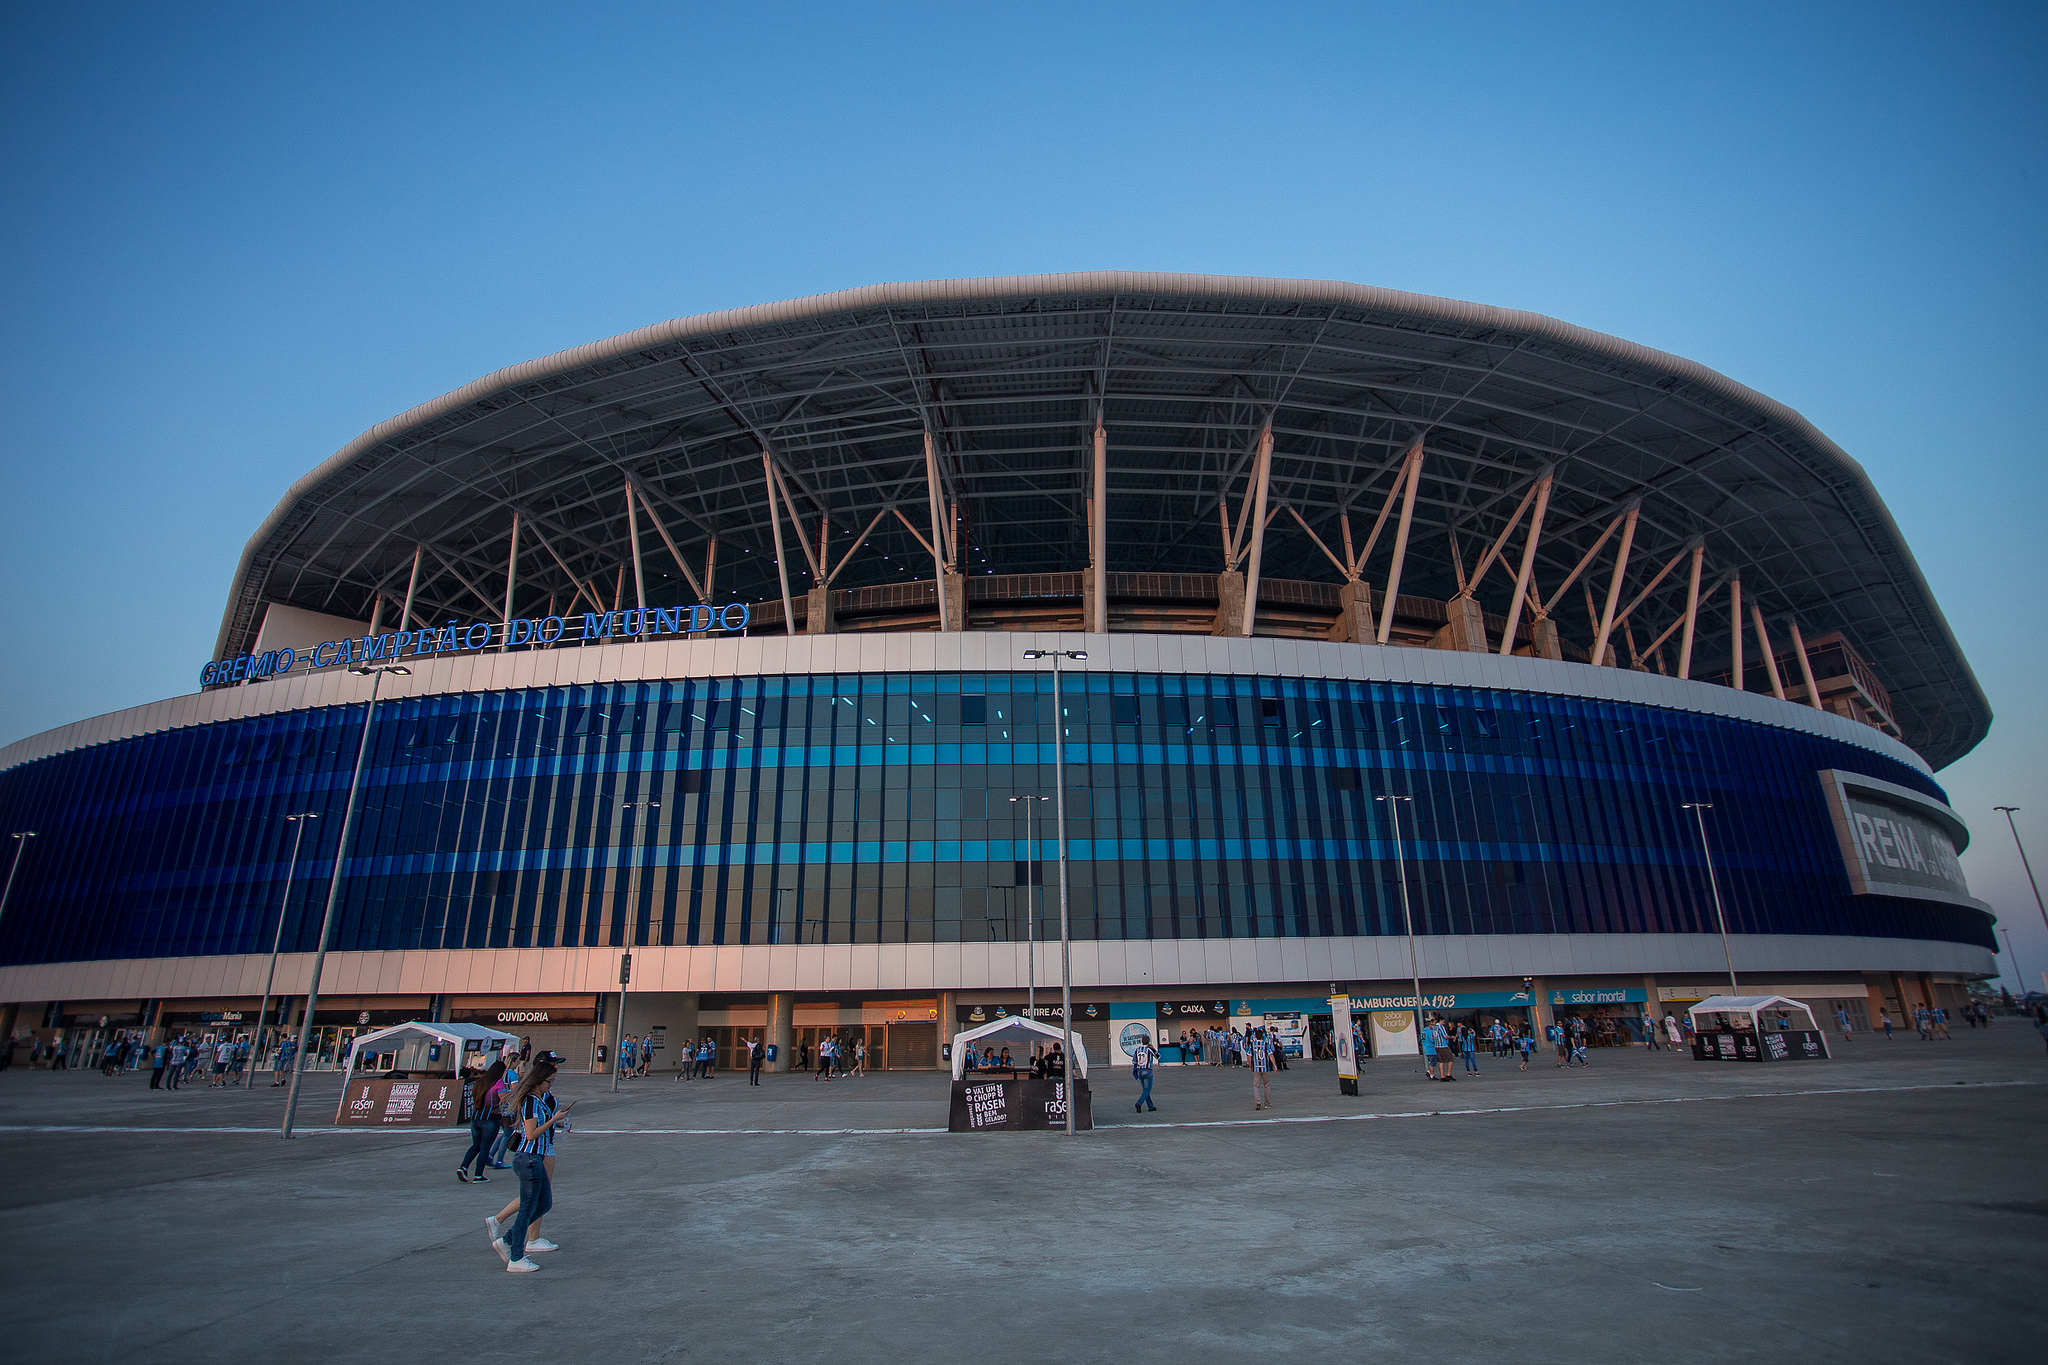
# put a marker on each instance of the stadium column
(1544, 631)
(1391, 601)
(941, 570)
(1763, 644)
(633, 543)
(1263, 474)
(781, 1029)
(1354, 612)
(1735, 633)
(947, 1026)
(1628, 540)
(1229, 603)
(511, 582)
(1805, 667)
(1507, 638)
(1098, 536)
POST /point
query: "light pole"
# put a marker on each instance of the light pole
(626, 959)
(1033, 883)
(376, 673)
(1059, 779)
(298, 824)
(2018, 975)
(21, 838)
(2008, 811)
(1699, 811)
(1407, 917)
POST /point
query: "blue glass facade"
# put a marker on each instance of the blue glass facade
(872, 808)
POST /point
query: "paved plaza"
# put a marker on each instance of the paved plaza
(1891, 1203)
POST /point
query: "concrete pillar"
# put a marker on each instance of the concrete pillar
(1354, 614)
(782, 1030)
(1466, 629)
(947, 1027)
(1539, 1008)
(1547, 644)
(819, 618)
(7, 1015)
(1087, 609)
(1229, 604)
(955, 587)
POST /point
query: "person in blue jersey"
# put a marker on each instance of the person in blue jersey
(539, 1118)
(1258, 1049)
(1142, 1062)
(1468, 1048)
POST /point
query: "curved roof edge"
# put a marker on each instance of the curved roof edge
(1273, 288)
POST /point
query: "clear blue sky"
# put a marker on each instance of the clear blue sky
(232, 238)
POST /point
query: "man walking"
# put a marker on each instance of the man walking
(1141, 1070)
(157, 1057)
(1259, 1054)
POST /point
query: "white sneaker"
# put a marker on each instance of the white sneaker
(534, 1244)
(492, 1228)
(524, 1265)
(504, 1252)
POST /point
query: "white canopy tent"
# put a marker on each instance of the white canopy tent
(416, 1037)
(1753, 1008)
(1029, 1032)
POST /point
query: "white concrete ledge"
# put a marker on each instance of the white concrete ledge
(957, 652)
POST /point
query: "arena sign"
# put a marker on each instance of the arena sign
(1896, 841)
(457, 638)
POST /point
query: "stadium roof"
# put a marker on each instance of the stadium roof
(1009, 376)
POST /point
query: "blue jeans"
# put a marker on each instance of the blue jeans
(1472, 1061)
(500, 1143)
(483, 1131)
(1145, 1090)
(536, 1197)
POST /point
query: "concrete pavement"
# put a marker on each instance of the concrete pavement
(1649, 1207)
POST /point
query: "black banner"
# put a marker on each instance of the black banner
(1014, 1105)
(1793, 1045)
(1194, 1013)
(972, 1016)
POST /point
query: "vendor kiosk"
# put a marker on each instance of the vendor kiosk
(1744, 1028)
(1016, 1099)
(413, 1073)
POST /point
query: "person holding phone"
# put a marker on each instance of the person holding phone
(533, 1104)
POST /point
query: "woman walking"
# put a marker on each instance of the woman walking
(534, 1102)
(483, 1123)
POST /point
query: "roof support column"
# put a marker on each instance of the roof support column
(633, 542)
(781, 559)
(1692, 611)
(1263, 473)
(1628, 539)
(1805, 668)
(1763, 642)
(1414, 476)
(1735, 633)
(1528, 566)
(412, 583)
(939, 565)
(1098, 534)
(511, 581)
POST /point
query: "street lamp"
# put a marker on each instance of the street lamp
(1059, 778)
(375, 672)
(1699, 811)
(2018, 975)
(1407, 917)
(2008, 811)
(625, 961)
(1032, 896)
(298, 824)
(21, 838)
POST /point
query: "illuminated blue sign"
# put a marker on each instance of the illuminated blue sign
(456, 638)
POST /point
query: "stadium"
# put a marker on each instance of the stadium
(1398, 639)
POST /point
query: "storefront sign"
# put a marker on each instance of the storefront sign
(417, 1103)
(1446, 1000)
(1600, 996)
(1013, 1105)
(970, 1015)
(516, 1017)
(1193, 1011)
(455, 637)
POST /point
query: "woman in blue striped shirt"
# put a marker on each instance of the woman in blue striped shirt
(534, 1105)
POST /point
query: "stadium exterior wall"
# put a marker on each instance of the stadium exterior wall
(1620, 894)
